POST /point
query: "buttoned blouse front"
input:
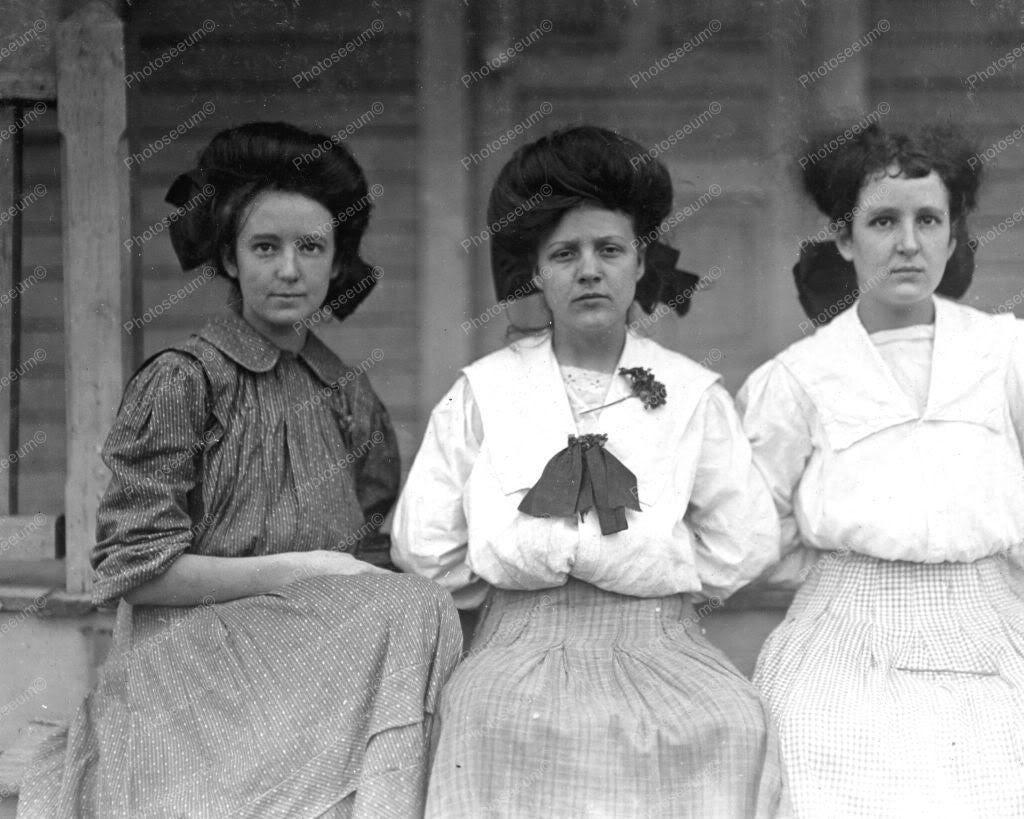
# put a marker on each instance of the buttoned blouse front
(706, 524)
(853, 464)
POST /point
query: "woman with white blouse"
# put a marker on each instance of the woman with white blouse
(590, 688)
(891, 443)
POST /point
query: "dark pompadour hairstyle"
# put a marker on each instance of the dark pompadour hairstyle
(242, 162)
(561, 171)
(835, 180)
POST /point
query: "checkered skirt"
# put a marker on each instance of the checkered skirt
(579, 702)
(898, 689)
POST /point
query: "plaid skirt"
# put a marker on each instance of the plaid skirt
(898, 689)
(579, 702)
(314, 700)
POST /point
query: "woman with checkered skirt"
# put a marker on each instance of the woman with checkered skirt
(596, 493)
(891, 442)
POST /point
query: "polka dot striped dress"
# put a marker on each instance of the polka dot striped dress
(315, 700)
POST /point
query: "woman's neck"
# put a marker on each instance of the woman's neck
(599, 351)
(877, 317)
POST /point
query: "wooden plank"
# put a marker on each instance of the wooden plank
(444, 199)
(30, 537)
(91, 116)
(10, 310)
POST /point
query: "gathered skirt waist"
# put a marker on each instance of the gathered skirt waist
(581, 613)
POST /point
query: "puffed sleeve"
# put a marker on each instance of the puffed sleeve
(730, 512)
(1015, 383)
(776, 415)
(1015, 398)
(430, 533)
(153, 452)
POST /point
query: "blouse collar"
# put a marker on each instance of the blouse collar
(239, 341)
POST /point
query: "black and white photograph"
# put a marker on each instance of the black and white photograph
(511, 408)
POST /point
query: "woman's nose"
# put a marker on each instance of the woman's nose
(289, 267)
(589, 267)
(907, 241)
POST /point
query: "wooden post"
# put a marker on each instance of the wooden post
(91, 119)
(779, 310)
(842, 92)
(443, 281)
(10, 309)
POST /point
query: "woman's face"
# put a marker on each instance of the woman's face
(899, 240)
(284, 263)
(588, 269)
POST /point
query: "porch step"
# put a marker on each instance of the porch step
(15, 760)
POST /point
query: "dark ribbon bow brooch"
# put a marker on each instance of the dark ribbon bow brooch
(581, 477)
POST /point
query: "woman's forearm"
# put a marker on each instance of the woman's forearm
(195, 579)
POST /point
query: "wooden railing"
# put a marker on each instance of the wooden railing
(77, 63)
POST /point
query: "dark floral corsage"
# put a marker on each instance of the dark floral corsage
(645, 387)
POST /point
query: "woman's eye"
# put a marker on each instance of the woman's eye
(612, 250)
(263, 248)
(882, 221)
(563, 255)
(310, 247)
(930, 219)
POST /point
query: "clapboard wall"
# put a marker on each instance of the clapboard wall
(243, 69)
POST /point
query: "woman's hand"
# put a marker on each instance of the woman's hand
(325, 561)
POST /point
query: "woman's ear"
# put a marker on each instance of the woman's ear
(540, 277)
(641, 253)
(228, 262)
(844, 242)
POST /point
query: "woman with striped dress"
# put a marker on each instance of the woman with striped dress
(590, 689)
(262, 665)
(891, 442)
